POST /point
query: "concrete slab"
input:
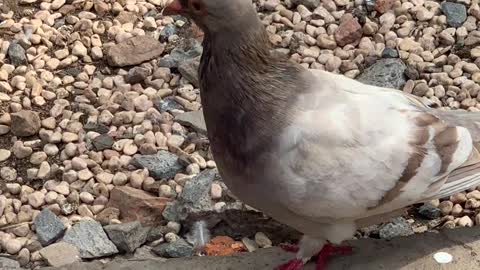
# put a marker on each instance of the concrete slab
(414, 252)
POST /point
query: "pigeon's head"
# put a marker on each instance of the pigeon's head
(215, 15)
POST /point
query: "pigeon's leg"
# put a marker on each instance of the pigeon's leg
(307, 248)
(329, 250)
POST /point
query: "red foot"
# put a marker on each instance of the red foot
(289, 247)
(295, 264)
(329, 250)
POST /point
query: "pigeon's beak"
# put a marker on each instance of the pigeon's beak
(173, 8)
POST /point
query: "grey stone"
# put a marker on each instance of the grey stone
(90, 239)
(102, 142)
(167, 104)
(25, 123)
(17, 55)
(429, 211)
(189, 71)
(389, 53)
(194, 199)
(163, 165)
(397, 227)
(48, 226)
(133, 51)
(60, 254)
(187, 50)
(99, 128)
(177, 249)
(194, 120)
(72, 71)
(389, 73)
(137, 75)
(168, 62)
(127, 236)
(9, 264)
(456, 13)
(311, 4)
(156, 233)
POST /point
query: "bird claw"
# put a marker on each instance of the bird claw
(294, 264)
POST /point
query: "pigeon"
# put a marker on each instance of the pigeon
(317, 151)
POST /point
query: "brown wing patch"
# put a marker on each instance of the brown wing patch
(446, 143)
(423, 122)
(414, 162)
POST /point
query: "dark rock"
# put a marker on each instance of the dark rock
(429, 211)
(311, 4)
(168, 104)
(361, 14)
(389, 73)
(456, 13)
(167, 62)
(389, 53)
(135, 204)
(99, 128)
(157, 232)
(163, 165)
(137, 75)
(102, 142)
(194, 120)
(187, 50)
(9, 264)
(177, 249)
(189, 71)
(48, 227)
(397, 227)
(73, 71)
(134, 51)
(25, 123)
(16, 54)
(195, 197)
(412, 73)
(90, 239)
(166, 32)
(127, 236)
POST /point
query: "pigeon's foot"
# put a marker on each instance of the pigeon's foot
(295, 264)
(329, 250)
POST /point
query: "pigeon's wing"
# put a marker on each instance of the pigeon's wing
(354, 151)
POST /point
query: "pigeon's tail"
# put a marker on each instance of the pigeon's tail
(465, 177)
(460, 180)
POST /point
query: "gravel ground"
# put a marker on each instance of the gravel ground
(103, 148)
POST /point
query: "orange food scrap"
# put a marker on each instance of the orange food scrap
(222, 246)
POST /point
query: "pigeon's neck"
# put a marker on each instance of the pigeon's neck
(248, 95)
